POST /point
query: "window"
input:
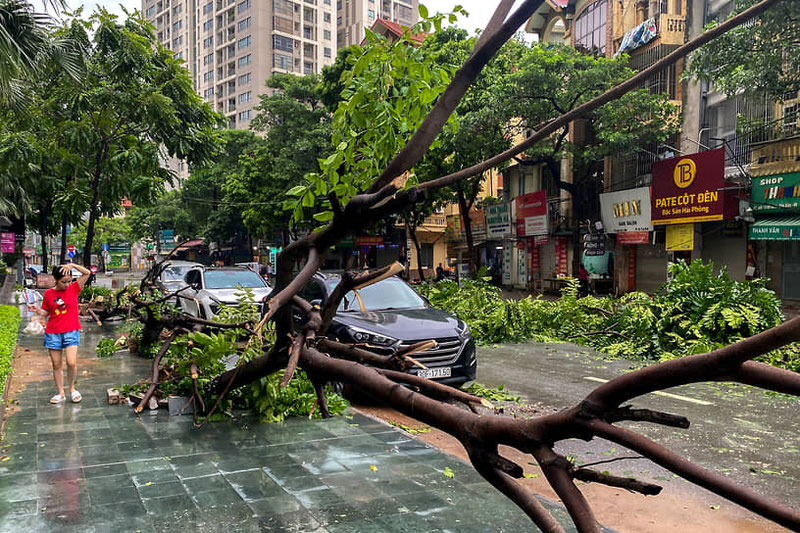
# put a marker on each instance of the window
(371, 14)
(326, 17)
(308, 15)
(244, 42)
(282, 61)
(208, 93)
(244, 79)
(149, 11)
(176, 10)
(308, 68)
(243, 6)
(245, 97)
(326, 34)
(177, 42)
(326, 52)
(177, 26)
(590, 28)
(208, 25)
(208, 8)
(245, 115)
(208, 41)
(179, 55)
(244, 61)
(243, 24)
(339, 21)
(208, 76)
(285, 44)
(208, 59)
(327, 2)
(307, 33)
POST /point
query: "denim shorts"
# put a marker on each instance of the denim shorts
(58, 341)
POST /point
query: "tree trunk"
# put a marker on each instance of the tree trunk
(411, 227)
(62, 255)
(464, 208)
(43, 234)
(87, 247)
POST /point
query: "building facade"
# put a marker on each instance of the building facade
(353, 16)
(232, 46)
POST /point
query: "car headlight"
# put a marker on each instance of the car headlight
(464, 333)
(368, 337)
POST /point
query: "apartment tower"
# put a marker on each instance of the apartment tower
(232, 46)
(352, 16)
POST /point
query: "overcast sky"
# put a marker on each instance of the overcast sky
(479, 10)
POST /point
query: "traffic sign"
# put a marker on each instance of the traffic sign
(105, 246)
(71, 254)
(71, 248)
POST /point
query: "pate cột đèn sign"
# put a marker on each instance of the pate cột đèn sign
(689, 188)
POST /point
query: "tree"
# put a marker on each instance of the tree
(134, 104)
(304, 345)
(168, 212)
(760, 58)
(297, 131)
(108, 230)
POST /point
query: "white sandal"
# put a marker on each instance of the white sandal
(76, 396)
(57, 399)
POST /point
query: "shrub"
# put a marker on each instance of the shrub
(9, 327)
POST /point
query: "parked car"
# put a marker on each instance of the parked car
(210, 287)
(390, 315)
(171, 277)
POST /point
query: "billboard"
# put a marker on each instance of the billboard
(689, 188)
(531, 214)
(627, 210)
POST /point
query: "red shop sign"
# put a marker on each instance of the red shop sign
(633, 237)
(689, 188)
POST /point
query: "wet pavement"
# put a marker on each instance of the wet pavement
(746, 434)
(99, 467)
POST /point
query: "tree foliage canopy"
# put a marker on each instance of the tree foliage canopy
(758, 58)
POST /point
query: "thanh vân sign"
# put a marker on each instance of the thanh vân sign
(689, 188)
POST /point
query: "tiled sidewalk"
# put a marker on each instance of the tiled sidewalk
(98, 467)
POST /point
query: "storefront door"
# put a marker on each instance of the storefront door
(791, 270)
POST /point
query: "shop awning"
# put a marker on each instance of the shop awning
(776, 228)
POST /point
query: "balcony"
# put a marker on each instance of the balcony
(671, 29)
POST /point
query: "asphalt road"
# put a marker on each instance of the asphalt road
(746, 434)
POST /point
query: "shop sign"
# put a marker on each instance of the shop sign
(453, 227)
(120, 248)
(680, 238)
(562, 256)
(477, 223)
(166, 239)
(627, 210)
(498, 221)
(7, 243)
(540, 240)
(531, 214)
(507, 248)
(776, 193)
(534, 256)
(688, 188)
(369, 240)
(633, 237)
(631, 269)
(779, 229)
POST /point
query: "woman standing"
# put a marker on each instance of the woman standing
(62, 334)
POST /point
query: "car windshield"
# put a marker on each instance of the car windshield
(230, 279)
(391, 293)
(174, 273)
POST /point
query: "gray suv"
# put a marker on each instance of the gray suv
(210, 287)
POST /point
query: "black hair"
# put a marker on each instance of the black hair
(58, 274)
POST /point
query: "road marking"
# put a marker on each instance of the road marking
(660, 393)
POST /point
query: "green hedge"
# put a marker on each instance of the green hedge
(9, 327)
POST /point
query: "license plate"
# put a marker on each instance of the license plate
(433, 373)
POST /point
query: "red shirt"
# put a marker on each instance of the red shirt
(63, 309)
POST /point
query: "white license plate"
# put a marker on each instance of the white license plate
(433, 373)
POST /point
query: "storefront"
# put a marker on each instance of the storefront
(627, 215)
(775, 234)
(534, 249)
(690, 199)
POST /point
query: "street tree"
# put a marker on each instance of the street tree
(757, 59)
(205, 193)
(108, 230)
(296, 129)
(168, 212)
(366, 199)
(134, 105)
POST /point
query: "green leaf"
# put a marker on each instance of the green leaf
(297, 190)
(448, 472)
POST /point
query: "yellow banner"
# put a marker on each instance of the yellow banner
(680, 237)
